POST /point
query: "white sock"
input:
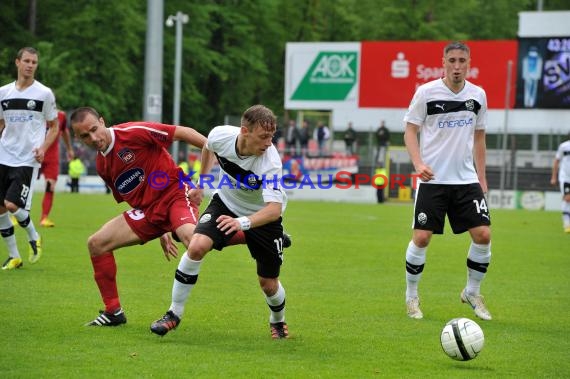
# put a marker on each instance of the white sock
(277, 305)
(415, 261)
(11, 244)
(23, 215)
(184, 280)
(478, 260)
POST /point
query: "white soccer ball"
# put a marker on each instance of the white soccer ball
(462, 339)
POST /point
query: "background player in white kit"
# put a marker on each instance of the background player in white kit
(254, 203)
(561, 174)
(450, 114)
(26, 107)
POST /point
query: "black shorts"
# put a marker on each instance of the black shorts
(265, 243)
(16, 185)
(464, 204)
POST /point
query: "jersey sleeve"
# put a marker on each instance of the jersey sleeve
(417, 111)
(50, 110)
(481, 123)
(272, 191)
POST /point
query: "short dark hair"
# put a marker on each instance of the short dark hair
(456, 45)
(27, 49)
(79, 114)
(259, 115)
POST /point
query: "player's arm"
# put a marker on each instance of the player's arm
(206, 163)
(413, 147)
(190, 136)
(479, 156)
(270, 212)
(2, 126)
(51, 135)
(555, 167)
(67, 142)
(207, 160)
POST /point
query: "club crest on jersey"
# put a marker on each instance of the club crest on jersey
(31, 105)
(470, 105)
(253, 182)
(126, 155)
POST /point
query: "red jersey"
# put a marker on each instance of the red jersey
(53, 151)
(137, 167)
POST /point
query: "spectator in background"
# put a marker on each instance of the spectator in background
(304, 137)
(382, 143)
(76, 169)
(183, 163)
(195, 165)
(380, 178)
(321, 135)
(291, 137)
(349, 139)
(277, 136)
(50, 168)
(27, 107)
(561, 175)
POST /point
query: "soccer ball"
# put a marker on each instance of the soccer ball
(462, 339)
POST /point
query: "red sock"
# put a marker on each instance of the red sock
(105, 276)
(237, 239)
(46, 204)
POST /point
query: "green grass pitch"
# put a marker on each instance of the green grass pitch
(344, 278)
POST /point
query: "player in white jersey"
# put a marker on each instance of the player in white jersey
(251, 199)
(450, 116)
(26, 107)
(561, 175)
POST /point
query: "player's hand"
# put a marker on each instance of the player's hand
(553, 181)
(196, 195)
(38, 154)
(227, 224)
(169, 248)
(425, 172)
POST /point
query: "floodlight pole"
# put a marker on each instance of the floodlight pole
(179, 19)
(505, 131)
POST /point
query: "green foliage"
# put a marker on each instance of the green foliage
(92, 51)
(344, 278)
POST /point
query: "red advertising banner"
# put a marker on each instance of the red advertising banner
(390, 72)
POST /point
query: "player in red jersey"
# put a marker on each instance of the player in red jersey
(50, 168)
(134, 162)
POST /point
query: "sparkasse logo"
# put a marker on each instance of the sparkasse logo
(331, 76)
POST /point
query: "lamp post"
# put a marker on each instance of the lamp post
(179, 19)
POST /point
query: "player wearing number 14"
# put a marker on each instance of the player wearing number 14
(450, 114)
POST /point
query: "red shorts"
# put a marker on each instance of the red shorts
(50, 168)
(164, 217)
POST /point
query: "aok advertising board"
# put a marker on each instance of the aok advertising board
(386, 74)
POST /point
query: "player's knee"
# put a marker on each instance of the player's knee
(95, 245)
(482, 236)
(49, 187)
(269, 286)
(421, 238)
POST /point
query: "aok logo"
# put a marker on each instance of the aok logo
(330, 77)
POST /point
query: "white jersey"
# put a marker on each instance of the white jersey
(25, 114)
(447, 124)
(246, 183)
(563, 156)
